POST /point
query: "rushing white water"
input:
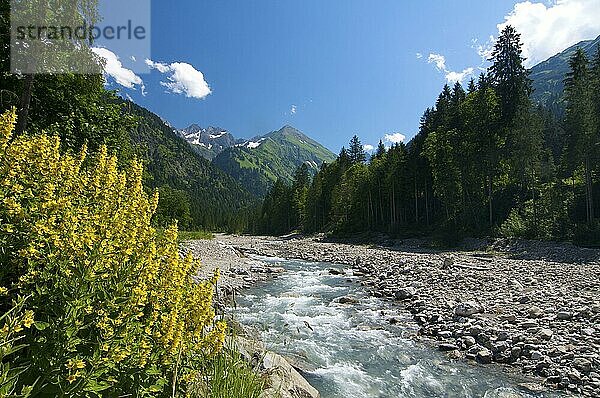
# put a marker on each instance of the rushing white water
(351, 351)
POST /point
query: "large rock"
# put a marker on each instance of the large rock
(467, 308)
(284, 380)
(582, 364)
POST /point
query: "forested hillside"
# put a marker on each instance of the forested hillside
(486, 161)
(258, 163)
(192, 189)
(80, 111)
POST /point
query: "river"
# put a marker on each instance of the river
(351, 350)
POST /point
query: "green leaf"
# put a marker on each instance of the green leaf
(41, 325)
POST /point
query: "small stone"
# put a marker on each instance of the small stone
(574, 375)
(445, 334)
(535, 312)
(524, 299)
(447, 347)
(448, 262)
(545, 334)
(528, 324)
(333, 271)
(564, 315)
(536, 355)
(484, 356)
(582, 364)
(468, 341)
(511, 318)
(404, 293)
(515, 352)
(588, 331)
(475, 330)
(467, 308)
(347, 300)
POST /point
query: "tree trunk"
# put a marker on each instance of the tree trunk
(426, 203)
(491, 213)
(25, 104)
(589, 191)
(535, 221)
(416, 204)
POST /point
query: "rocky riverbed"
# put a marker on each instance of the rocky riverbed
(529, 306)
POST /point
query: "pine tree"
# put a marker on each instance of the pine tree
(356, 152)
(380, 150)
(472, 86)
(580, 123)
(509, 75)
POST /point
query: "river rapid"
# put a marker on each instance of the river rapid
(352, 350)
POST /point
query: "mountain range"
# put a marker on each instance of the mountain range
(214, 196)
(209, 141)
(257, 163)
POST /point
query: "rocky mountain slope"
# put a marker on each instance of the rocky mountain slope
(548, 76)
(256, 164)
(207, 141)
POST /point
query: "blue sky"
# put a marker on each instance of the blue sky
(330, 68)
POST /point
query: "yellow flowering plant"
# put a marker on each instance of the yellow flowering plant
(95, 302)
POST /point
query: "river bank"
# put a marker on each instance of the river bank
(237, 272)
(530, 307)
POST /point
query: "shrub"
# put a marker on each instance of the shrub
(94, 302)
(548, 220)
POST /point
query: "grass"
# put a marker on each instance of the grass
(228, 375)
(195, 235)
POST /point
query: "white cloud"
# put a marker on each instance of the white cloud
(549, 29)
(114, 68)
(439, 60)
(368, 147)
(293, 109)
(394, 138)
(162, 68)
(183, 79)
(419, 55)
(451, 76)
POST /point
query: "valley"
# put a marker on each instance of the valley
(530, 308)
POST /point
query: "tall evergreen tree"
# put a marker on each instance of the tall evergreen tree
(356, 152)
(509, 75)
(380, 150)
(580, 124)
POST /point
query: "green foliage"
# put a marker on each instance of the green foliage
(228, 375)
(195, 235)
(173, 206)
(547, 219)
(94, 303)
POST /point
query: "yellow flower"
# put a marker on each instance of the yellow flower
(3, 291)
(28, 319)
(72, 377)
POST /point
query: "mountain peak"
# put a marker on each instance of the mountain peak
(207, 141)
(261, 161)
